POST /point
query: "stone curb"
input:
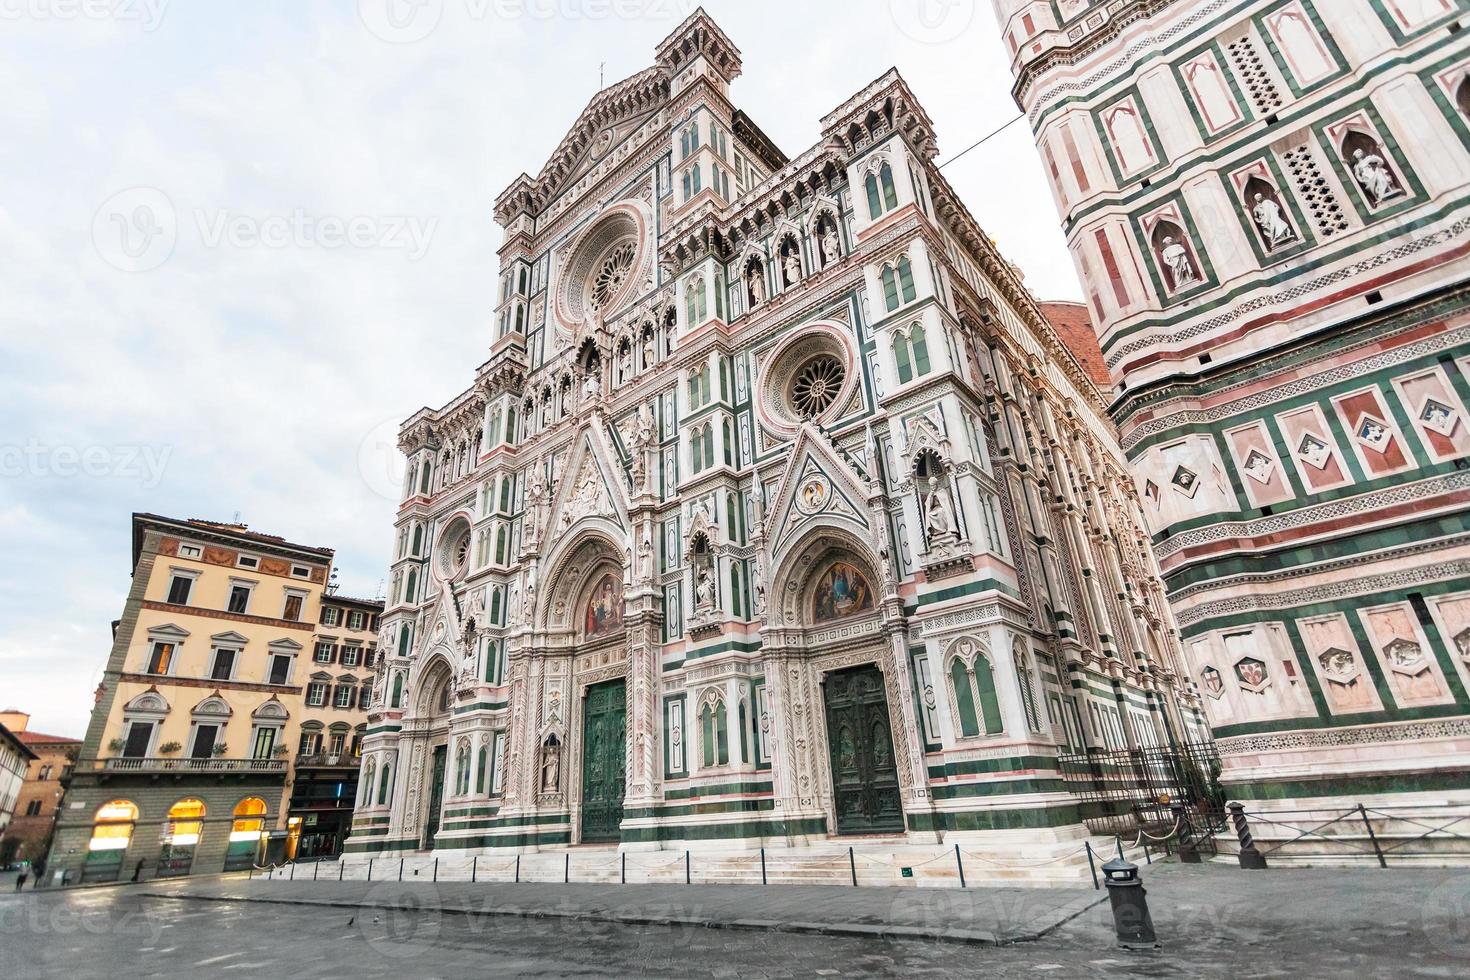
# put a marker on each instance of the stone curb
(979, 937)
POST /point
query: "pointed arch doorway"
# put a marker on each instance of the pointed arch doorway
(604, 766)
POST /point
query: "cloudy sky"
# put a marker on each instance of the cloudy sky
(240, 241)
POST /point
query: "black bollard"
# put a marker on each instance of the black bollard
(1250, 858)
(1129, 899)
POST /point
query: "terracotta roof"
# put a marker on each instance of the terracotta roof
(6, 735)
(1074, 324)
(41, 738)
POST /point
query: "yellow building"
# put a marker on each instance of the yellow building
(186, 761)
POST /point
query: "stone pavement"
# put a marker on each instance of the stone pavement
(1213, 921)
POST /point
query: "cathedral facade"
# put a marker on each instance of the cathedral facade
(1269, 203)
(778, 510)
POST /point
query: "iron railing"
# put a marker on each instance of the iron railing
(189, 765)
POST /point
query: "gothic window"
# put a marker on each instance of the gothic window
(977, 707)
(714, 734)
(385, 785)
(397, 701)
(1314, 192)
(920, 348)
(882, 197)
(480, 770)
(902, 359)
(1028, 691)
(462, 768)
(1251, 69)
(695, 305)
(898, 284)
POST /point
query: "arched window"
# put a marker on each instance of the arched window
(246, 828)
(426, 477)
(714, 733)
(480, 770)
(1028, 691)
(906, 279)
(885, 178)
(920, 348)
(397, 701)
(462, 768)
(365, 793)
(875, 199)
(976, 705)
(181, 834)
(695, 304)
(881, 194)
(385, 784)
(112, 829)
(890, 289)
(901, 359)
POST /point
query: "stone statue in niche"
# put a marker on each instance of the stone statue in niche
(791, 267)
(551, 764)
(831, 246)
(625, 362)
(758, 576)
(648, 351)
(1178, 262)
(589, 388)
(939, 523)
(1373, 175)
(755, 282)
(1271, 221)
(704, 589)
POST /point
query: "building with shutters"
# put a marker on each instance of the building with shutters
(187, 762)
(778, 511)
(28, 836)
(1269, 204)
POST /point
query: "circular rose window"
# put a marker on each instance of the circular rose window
(612, 273)
(808, 379)
(816, 385)
(454, 555)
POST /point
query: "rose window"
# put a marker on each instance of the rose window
(816, 385)
(612, 272)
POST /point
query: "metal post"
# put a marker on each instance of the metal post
(251, 876)
(852, 865)
(436, 869)
(1249, 856)
(400, 869)
(1119, 839)
(474, 868)
(518, 869)
(959, 863)
(686, 866)
(763, 865)
(341, 867)
(314, 869)
(566, 875)
(1382, 863)
(370, 869)
(1091, 865)
(293, 872)
(623, 874)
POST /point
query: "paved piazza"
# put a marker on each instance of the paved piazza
(1214, 922)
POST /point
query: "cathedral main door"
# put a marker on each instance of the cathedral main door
(604, 761)
(864, 774)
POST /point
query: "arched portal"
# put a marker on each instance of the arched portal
(582, 748)
(828, 589)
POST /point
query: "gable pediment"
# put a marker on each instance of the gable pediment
(816, 484)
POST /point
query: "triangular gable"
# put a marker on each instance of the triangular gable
(816, 483)
(591, 484)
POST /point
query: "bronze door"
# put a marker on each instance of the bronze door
(864, 772)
